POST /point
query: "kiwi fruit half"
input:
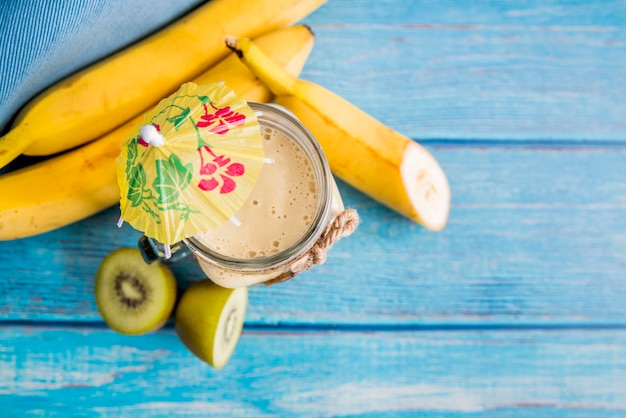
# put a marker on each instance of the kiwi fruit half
(132, 296)
(209, 320)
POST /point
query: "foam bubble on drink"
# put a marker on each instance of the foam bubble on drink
(279, 210)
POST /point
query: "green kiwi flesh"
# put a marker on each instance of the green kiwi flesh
(209, 320)
(132, 296)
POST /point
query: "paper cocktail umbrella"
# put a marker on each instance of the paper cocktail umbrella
(191, 165)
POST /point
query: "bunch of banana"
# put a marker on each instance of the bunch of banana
(362, 151)
(93, 101)
(72, 186)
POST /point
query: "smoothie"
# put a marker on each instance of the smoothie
(280, 209)
(293, 200)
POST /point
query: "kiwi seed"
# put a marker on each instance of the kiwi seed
(130, 291)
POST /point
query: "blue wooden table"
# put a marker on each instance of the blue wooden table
(517, 308)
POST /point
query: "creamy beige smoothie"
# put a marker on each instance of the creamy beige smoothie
(292, 202)
(280, 208)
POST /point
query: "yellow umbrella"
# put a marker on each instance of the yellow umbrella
(192, 163)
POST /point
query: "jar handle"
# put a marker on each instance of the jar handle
(152, 250)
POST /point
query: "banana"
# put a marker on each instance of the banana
(77, 184)
(104, 95)
(361, 150)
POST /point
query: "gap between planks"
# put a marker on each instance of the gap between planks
(348, 328)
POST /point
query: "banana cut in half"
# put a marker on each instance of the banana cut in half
(209, 320)
(426, 186)
(362, 151)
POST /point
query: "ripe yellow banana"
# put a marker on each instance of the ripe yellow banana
(362, 151)
(104, 95)
(72, 186)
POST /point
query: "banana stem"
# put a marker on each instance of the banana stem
(279, 81)
(11, 146)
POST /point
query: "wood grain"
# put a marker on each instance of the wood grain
(484, 71)
(317, 373)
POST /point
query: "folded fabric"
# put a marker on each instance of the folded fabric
(43, 41)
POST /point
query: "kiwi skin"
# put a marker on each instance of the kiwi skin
(153, 287)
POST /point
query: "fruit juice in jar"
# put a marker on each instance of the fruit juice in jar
(293, 201)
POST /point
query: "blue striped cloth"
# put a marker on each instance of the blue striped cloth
(43, 41)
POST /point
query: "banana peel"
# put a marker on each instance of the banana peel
(72, 186)
(101, 97)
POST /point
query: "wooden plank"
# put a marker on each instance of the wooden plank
(476, 71)
(89, 371)
(550, 13)
(536, 236)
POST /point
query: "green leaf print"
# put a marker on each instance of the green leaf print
(136, 182)
(180, 118)
(131, 156)
(172, 177)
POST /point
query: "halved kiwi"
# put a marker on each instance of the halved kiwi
(132, 296)
(209, 320)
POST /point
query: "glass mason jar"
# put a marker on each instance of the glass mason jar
(284, 216)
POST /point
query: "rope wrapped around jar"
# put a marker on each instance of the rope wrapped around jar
(342, 226)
